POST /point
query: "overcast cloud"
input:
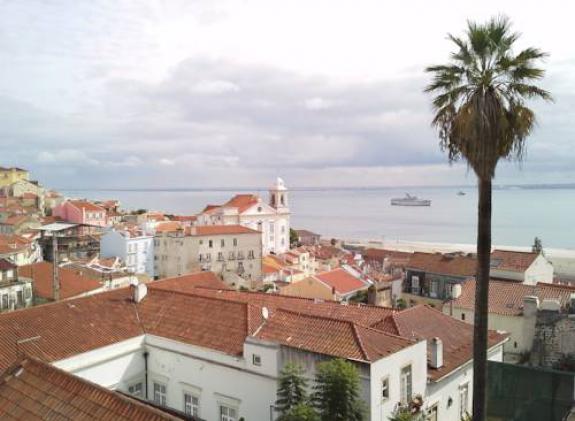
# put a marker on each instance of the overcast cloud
(233, 93)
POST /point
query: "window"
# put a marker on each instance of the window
(240, 267)
(201, 258)
(208, 257)
(250, 254)
(19, 298)
(432, 414)
(191, 405)
(201, 242)
(220, 257)
(232, 256)
(256, 360)
(28, 293)
(385, 389)
(228, 413)
(463, 400)
(5, 301)
(235, 242)
(462, 316)
(136, 389)
(160, 394)
(222, 243)
(405, 382)
(10, 274)
(211, 243)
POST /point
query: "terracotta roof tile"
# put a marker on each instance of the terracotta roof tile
(72, 281)
(343, 281)
(87, 206)
(169, 226)
(515, 261)
(424, 322)
(329, 336)
(33, 390)
(443, 264)
(201, 230)
(242, 201)
(189, 282)
(506, 298)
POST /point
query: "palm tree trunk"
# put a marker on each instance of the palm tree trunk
(481, 301)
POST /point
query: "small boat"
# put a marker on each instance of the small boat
(461, 193)
(410, 200)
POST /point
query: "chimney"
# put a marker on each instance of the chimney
(436, 353)
(139, 291)
(530, 305)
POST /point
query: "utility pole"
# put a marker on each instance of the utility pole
(55, 273)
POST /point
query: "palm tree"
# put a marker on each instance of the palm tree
(481, 116)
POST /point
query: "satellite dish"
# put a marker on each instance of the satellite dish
(265, 313)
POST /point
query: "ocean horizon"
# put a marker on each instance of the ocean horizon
(520, 212)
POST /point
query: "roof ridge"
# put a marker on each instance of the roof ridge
(359, 342)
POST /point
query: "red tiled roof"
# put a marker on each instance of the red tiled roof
(506, 298)
(11, 243)
(87, 206)
(209, 208)
(183, 218)
(7, 265)
(363, 315)
(169, 226)
(32, 390)
(188, 282)
(515, 261)
(424, 322)
(381, 254)
(268, 270)
(343, 281)
(242, 201)
(72, 282)
(220, 230)
(329, 336)
(443, 264)
(29, 195)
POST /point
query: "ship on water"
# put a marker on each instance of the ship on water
(410, 200)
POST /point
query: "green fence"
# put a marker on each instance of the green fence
(517, 393)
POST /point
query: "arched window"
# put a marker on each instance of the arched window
(282, 200)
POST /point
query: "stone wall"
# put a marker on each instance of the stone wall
(554, 338)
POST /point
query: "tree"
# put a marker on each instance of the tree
(293, 237)
(300, 412)
(291, 388)
(482, 117)
(537, 246)
(336, 392)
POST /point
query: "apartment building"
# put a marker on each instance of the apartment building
(231, 251)
(133, 245)
(217, 353)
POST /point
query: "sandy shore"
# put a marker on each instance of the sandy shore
(563, 259)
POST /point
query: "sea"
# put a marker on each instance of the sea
(520, 213)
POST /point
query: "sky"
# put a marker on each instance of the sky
(233, 93)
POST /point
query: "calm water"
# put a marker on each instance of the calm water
(519, 214)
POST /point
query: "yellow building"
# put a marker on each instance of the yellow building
(9, 176)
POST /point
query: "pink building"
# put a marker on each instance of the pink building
(81, 212)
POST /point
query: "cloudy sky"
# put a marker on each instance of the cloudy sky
(206, 93)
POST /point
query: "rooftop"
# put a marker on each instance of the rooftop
(455, 265)
(189, 310)
(33, 390)
(506, 298)
(514, 261)
(87, 206)
(342, 281)
(73, 282)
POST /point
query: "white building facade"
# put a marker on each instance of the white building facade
(135, 248)
(272, 219)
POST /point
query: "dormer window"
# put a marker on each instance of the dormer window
(259, 208)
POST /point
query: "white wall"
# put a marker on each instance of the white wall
(214, 378)
(111, 366)
(390, 367)
(519, 339)
(446, 392)
(541, 270)
(137, 253)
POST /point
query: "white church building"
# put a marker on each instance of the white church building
(272, 219)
